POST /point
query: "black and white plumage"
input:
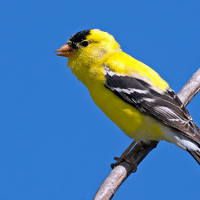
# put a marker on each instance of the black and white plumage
(165, 107)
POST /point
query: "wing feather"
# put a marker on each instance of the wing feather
(163, 106)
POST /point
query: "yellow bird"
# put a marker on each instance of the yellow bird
(129, 92)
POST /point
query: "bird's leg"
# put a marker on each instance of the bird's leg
(124, 157)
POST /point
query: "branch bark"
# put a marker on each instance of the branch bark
(190, 89)
(120, 173)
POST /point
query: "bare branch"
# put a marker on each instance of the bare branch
(190, 89)
(120, 173)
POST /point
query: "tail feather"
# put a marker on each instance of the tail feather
(196, 127)
(195, 155)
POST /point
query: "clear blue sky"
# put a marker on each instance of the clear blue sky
(54, 142)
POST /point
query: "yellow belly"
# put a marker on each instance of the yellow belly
(135, 124)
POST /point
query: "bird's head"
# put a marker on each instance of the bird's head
(88, 47)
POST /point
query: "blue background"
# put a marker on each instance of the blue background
(55, 143)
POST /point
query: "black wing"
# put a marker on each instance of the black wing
(163, 106)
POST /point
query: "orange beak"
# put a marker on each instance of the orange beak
(65, 51)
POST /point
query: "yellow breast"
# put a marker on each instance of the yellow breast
(123, 115)
(135, 124)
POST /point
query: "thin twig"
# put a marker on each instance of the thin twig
(120, 173)
(190, 89)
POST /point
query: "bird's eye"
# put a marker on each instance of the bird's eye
(85, 43)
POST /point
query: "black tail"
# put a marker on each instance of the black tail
(195, 155)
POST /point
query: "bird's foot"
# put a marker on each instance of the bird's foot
(123, 157)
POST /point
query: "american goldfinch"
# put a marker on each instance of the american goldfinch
(129, 92)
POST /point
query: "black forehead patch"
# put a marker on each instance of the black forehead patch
(78, 37)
